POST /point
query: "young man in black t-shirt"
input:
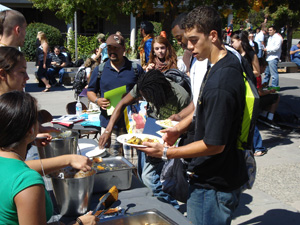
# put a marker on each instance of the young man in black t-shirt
(216, 166)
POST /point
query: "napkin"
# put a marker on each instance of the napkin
(91, 123)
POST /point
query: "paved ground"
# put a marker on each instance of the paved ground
(275, 197)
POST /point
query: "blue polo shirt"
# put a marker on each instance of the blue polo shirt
(297, 54)
(111, 79)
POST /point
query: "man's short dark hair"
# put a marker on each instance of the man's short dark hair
(179, 20)
(9, 19)
(147, 27)
(57, 46)
(205, 19)
(299, 43)
(273, 27)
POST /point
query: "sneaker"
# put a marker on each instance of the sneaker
(268, 122)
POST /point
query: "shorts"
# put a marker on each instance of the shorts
(267, 100)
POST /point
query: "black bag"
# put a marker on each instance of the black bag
(174, 179)
(179, 77)
(80, 81)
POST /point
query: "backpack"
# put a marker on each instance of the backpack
(181, 78)
(251, 110)
(80, 81)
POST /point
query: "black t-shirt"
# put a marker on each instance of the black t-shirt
(217, 122)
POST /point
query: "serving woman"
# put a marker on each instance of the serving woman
(26, 201)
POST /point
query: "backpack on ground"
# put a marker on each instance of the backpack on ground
(251, 111)
(80, 81)
(181, 78)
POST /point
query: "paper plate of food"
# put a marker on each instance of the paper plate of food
(166, 123)
(136, 140)
(95, 152)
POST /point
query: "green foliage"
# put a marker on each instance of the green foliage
(53, 35)
(85, 45)
(296, 34)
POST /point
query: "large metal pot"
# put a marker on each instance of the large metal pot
(60, 145)
(73, 195)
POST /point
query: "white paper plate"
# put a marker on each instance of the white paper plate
(95, 152)
(125, 137)
(161, 123)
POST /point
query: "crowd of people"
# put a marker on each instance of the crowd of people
(210, 117)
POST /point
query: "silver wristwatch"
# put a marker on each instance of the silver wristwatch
(164, 156)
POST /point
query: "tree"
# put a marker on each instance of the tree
(286, 14)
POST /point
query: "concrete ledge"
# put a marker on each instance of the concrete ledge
(291, 67)
(68, 77)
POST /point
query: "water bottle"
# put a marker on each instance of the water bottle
(78, 108)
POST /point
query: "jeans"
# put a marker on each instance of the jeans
(257, 141)
(271, 70)
(260, 53)
(52, 71)
(211, 207)
(149, 173)
(297, 61)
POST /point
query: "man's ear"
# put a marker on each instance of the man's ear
(17, 30)
(213, 35)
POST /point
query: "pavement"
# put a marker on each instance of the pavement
(275, 196)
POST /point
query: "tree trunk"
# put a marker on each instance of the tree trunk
(289, 36)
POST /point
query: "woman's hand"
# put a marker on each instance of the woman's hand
(89, 219)
(80, 162)
(42, 139)
(151, 66)
(44, 66)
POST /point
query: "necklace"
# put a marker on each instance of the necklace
(20, 157)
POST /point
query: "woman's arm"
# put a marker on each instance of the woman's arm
(255, 66)
(53, 164)
(30, 204)
(45, 50)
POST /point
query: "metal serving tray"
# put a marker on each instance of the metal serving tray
(121, 175)
(151, 216)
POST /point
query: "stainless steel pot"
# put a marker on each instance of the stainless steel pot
(60, 145)
(73, 195)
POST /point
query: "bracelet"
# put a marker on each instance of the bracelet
(106, 132)
(164, 156)
(96, 101)
(79, 221)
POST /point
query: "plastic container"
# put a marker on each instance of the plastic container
(78, 108)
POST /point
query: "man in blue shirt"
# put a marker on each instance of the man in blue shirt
(295, 54)
(117, 71)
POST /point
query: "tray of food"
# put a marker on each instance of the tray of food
(112, 171)
(147, 217)
(136, 140)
